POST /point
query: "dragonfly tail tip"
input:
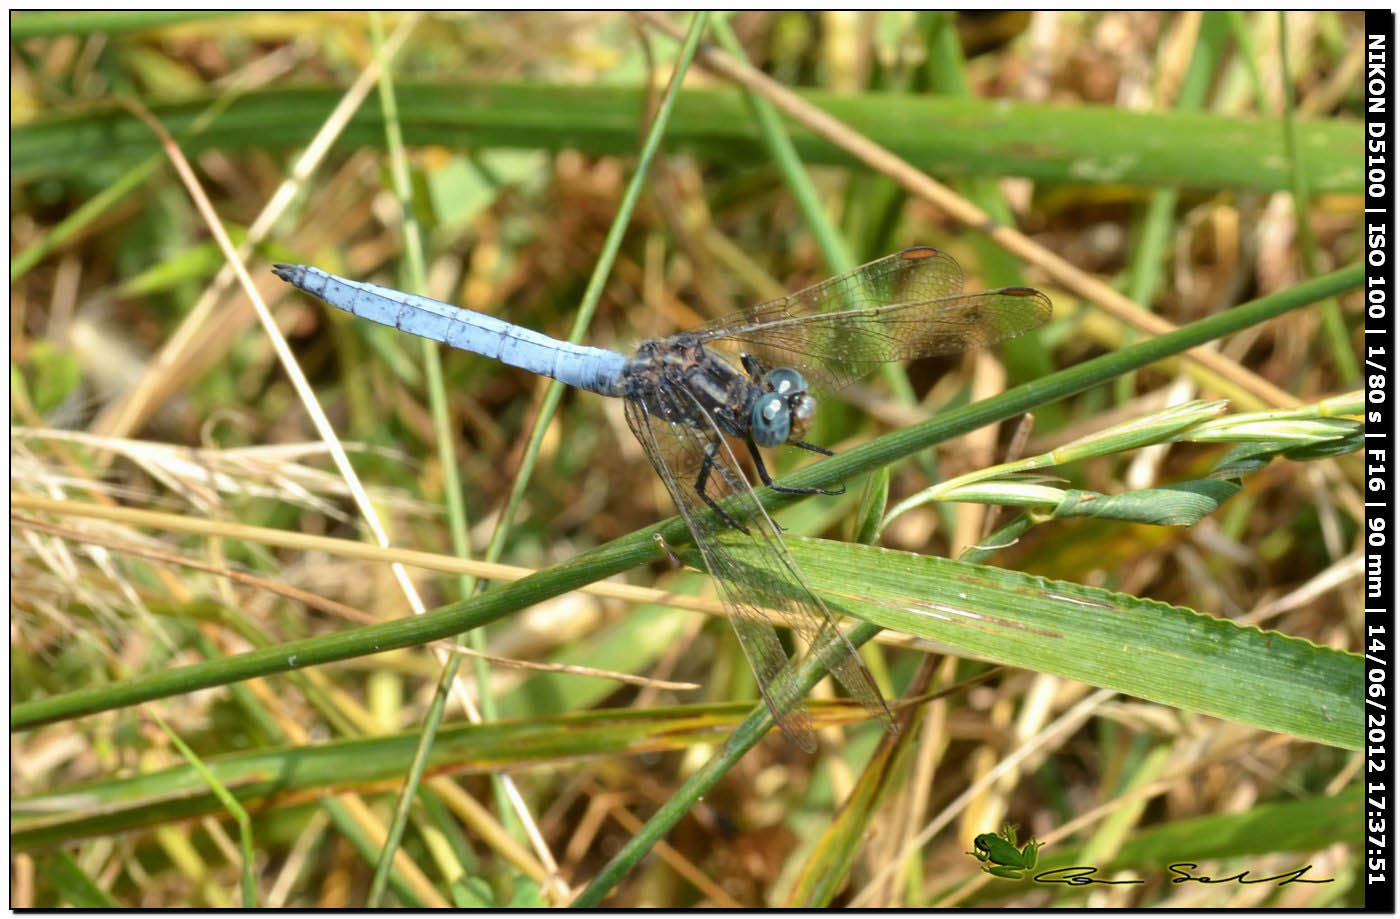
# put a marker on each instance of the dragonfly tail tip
(286, 272)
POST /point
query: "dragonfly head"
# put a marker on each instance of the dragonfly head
(785, 409)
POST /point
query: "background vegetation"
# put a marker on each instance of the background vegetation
(185, 545)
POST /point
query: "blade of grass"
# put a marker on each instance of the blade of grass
(945, 72)
(1338, 341)
(947, 75)
(1239, 30)
(411, 890)
(45, 23)
(780, 148)
(1166, 654)
(753, 729)
(230, 804)
(597, 281)
(302, 771)
(829, 864)
(74, 885)
(1155, 225)
(1275, 826)
(947, 136)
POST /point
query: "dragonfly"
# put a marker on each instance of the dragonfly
(751, 378)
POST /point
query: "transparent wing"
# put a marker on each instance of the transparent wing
(903, 306)
(766, 578)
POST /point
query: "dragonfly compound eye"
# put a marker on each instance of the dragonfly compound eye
(802, 408)
(771, 421)
(784, 381)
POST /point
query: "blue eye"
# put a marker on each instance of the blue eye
(785, 381)
(770, 423)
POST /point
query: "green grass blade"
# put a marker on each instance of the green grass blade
(1303, 825)
(74, 885)
(829, 863)
(231, 805)
(941, 135)
(44, 23)
(1333, 324)
(1151, 650)
(288, 774)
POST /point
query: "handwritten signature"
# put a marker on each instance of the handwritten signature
(1083, 875)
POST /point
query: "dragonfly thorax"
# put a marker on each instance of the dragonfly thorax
(682, 381)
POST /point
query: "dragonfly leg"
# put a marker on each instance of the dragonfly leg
(813, 447)
(788, 489)
(703, 479)
(824, 452)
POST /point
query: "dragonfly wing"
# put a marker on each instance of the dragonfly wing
(919, 273)
(903, 306)
(677, 453)
(761, 576)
